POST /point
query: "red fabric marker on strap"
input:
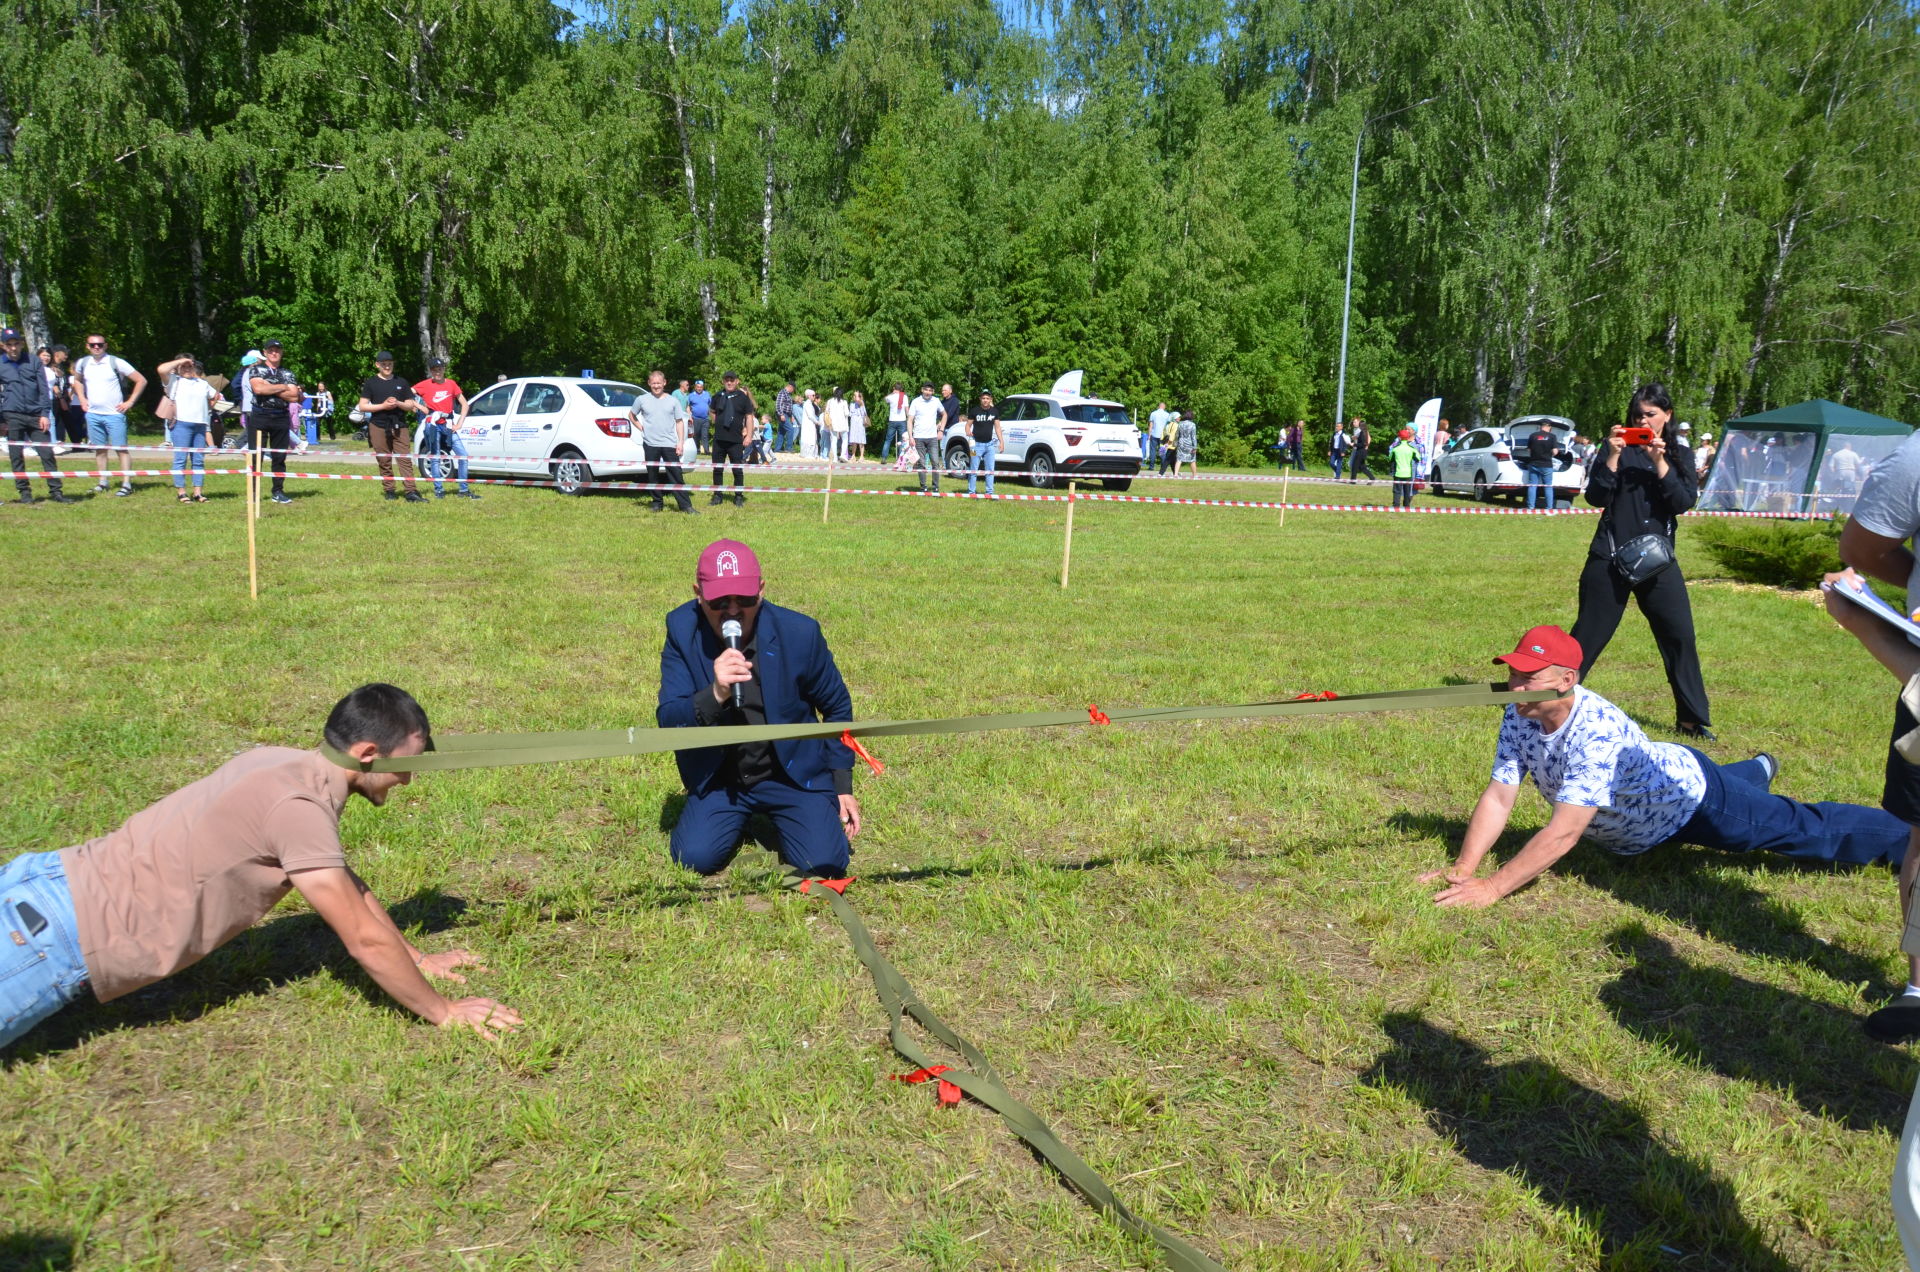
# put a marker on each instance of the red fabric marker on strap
(832, 885)
(1325, 695)
(861, 751)
(1096, 715)
(947, 1093)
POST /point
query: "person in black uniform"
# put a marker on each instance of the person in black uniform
(275, 390)
(735, 418)
(1641, 490)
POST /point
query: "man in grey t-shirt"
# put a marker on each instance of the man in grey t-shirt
(662, 419)
(1885, 517)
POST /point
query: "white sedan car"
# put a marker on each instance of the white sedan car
(569, 430)
(1056, 436)
(1486, 461)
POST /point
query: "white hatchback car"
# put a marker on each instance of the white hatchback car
(1057, 435)
(1482, 460)
(570, 430)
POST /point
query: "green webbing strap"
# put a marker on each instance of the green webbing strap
(981, 1081)
(498, 750)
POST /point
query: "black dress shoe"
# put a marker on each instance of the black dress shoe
(1898, 1021)
(718, 498)
(739, 500)
(26, 497)
(59, 497)
(1699, 731)
(390, 494)
(414, 496)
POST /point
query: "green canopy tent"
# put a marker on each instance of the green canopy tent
(1809, 458)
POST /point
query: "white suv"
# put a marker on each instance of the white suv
(1057, 435)
(572, 430)
(1484, 461)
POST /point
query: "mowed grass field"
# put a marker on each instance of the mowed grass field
(1198, 949)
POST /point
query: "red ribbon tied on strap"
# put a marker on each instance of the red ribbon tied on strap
(1096, 716)
(1325, 695)
(861, 751)
(947, 1093)
(832, 885)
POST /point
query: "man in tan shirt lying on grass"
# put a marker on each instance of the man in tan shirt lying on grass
(185, 876)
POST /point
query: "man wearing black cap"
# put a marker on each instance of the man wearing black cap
(385, 400)
(735, 419)
(274, 393)
(26, 409)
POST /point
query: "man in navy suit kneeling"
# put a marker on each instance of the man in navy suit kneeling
(786, 675)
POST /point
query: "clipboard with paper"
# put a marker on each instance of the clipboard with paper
(1855, 589)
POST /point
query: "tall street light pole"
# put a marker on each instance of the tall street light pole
(1353, 211)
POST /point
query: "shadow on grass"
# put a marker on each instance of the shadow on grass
(1585, 1153)
(263, 958)
(1809, 1052)
(35, 1252)
(1669, 881)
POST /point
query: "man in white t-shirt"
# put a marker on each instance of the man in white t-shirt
(1157, 432)
(1608, 782)
(926, 420)
(98, 384)
(897, 400)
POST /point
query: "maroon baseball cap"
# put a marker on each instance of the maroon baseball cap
(727, 568)
(1544, 647)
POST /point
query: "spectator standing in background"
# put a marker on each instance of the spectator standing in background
(1703, 456)
(663, 436)
(1186, 438)
(735, 424)
(809, 425)
(950, 407)
(98, 383)
(1404, 455)
(926, 420)
(1297, 443)
(275, 393)
(1362, 438)
(70, 422)
(986, 438)
(1442, 434)
(26, 410)
(1157, 432)
(446, 411)
(700, 408)
(183, 382)
(681, 394)
(836, 419)
(1542, 449)
(897, 400)
(857, 426)
(784, 431)
(1337, 451)
(323, 408)
(385, 400)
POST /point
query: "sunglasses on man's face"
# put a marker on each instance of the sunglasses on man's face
(96, 344)
(731, 602)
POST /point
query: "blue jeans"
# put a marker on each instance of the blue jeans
(896, 437)
(1338, 459)
(807, 829)
(789, 436)
(188, 440)
(984, 453)
(1539, 478)
(1739, 814)
(441, 442)
(41, 970)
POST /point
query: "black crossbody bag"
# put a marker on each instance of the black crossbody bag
(1641, 557)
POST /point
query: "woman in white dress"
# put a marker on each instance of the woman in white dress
(857, 426)
(836, 439)
(810, 427)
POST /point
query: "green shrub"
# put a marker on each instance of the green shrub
(1232, 452)
(1776, 553)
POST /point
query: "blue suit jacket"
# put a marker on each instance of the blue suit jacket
(797, 678)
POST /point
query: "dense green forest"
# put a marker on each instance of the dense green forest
(1557, 198)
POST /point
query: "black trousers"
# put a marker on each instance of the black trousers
(279, 438)
(23, 430)
(663, 468)
(734, 453)
(1663, 599)
(1359, 466)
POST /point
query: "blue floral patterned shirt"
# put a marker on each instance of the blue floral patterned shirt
(1644, 790)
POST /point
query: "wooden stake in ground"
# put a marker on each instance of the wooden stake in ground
(1286, 475)
(826, 504)
(249, 488)
(259, 468)
(1066, 554)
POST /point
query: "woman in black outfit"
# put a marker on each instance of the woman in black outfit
(1642, 490)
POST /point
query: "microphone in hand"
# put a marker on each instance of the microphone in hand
(730, 632)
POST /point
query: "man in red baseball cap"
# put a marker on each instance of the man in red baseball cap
(1608, 782)
(732, 657)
